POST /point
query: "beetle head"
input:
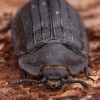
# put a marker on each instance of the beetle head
(55, 77)
(53, 82)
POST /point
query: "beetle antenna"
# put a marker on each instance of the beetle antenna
(78, 81)
(25, 81)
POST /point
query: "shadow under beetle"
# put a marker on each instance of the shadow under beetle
(51, 41)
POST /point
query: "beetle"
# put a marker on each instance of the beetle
(50, 39)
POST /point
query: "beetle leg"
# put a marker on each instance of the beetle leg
(87, 74)
(78, 81)
(24, 74)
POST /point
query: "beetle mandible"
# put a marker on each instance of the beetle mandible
(50, 38)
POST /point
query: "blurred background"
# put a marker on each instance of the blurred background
(88, 9)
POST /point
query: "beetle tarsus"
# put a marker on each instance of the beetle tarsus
(90, 78)
(87, 74)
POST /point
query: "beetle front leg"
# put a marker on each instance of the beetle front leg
(24, 74)
(87, 74)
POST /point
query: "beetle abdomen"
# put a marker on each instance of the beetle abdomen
(41, 21)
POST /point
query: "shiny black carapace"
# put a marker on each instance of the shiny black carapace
(51, 41)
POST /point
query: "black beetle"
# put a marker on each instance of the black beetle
(51, 41)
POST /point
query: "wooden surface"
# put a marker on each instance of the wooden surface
(10, 71)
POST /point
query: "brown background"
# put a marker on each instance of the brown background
(10, 71)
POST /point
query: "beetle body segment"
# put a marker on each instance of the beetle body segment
(50, 33)
(34, 26)
(53, 55)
